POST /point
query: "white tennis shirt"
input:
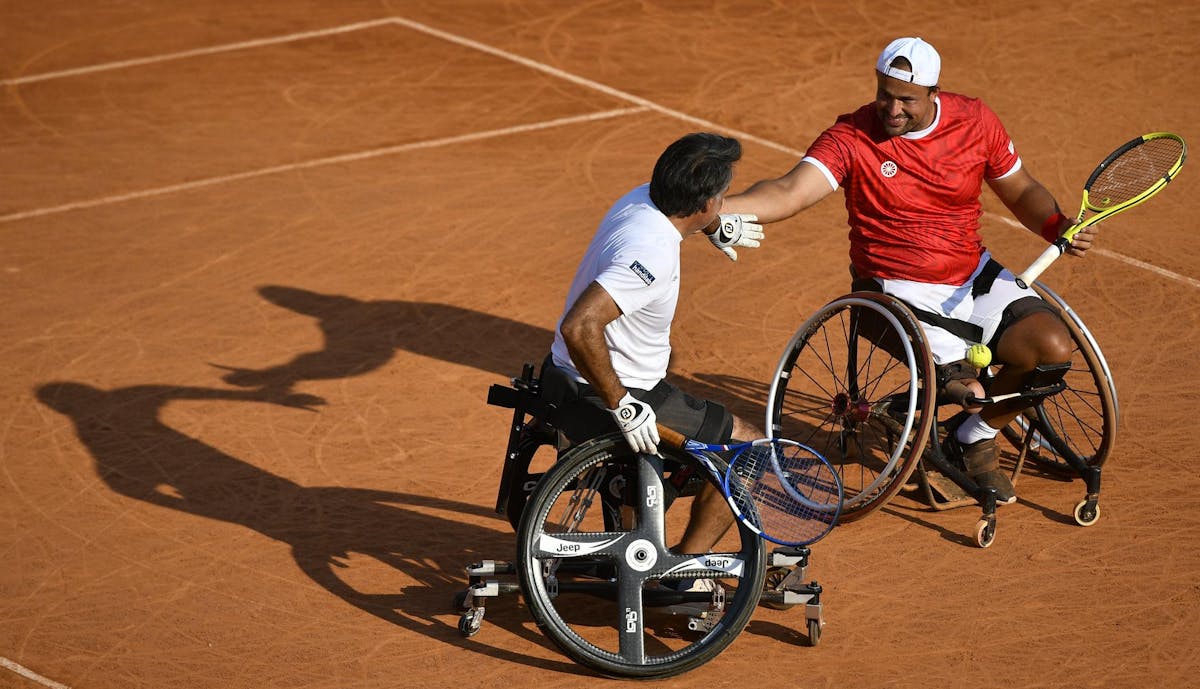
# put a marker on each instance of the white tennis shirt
(634, 256)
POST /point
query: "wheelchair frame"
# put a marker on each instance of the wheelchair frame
(623, 557)
(856, 382)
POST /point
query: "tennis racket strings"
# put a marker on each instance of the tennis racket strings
(1134, 171)
(785, 491)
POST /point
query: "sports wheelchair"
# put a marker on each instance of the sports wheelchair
(596, 528)
(857, 383)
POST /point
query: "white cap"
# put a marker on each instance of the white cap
(925, 61)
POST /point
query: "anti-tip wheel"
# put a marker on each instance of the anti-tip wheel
(1087, 512)
(985, 532)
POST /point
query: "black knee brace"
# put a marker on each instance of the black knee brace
(1017, 310)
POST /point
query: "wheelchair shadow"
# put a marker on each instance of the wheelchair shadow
(361, 336)
(910, 515)
(954, 537)
(1051, 514)
(140, 457)
(779, 632)
(1034, 470)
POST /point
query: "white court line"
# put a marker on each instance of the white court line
(1147, 266)
(1129, 260)
(399, 21)
(332, 160)
(30, 674)
(643, 104)
(47, 76)
(582, 81)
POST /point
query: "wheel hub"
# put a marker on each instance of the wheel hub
(854, 410)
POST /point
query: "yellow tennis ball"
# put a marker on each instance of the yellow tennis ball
(979, 356)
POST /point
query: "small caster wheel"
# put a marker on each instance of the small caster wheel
(1087, 512)
(814, 632)
(469, 623)
(985, 532)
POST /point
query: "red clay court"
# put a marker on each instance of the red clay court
(260, 264)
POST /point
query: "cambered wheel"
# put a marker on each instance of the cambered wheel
(856, 382)
(595, 588)
(1081, 421)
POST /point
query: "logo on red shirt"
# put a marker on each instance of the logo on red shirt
(888, 168)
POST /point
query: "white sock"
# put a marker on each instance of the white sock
(975, 429)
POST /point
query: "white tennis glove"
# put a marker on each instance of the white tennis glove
(636, 421)
(736, 230)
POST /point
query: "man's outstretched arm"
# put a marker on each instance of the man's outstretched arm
(777, 199)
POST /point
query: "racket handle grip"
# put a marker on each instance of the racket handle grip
(1050, 255)
(671, 437)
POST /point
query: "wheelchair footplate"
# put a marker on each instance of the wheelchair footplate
(946, 489)
(1044, 381)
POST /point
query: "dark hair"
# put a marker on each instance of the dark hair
(691, 171)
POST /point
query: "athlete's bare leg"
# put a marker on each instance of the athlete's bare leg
(711, 517)
(1039, 338)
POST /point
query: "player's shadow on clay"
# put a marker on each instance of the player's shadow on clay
(362, 336)
(329, 528)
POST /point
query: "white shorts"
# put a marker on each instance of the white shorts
(957, 303)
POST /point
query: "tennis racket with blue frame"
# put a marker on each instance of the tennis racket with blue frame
(784, 491)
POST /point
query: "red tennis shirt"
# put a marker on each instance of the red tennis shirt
(913, 200)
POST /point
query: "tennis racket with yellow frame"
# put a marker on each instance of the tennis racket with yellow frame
(1128, 176)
